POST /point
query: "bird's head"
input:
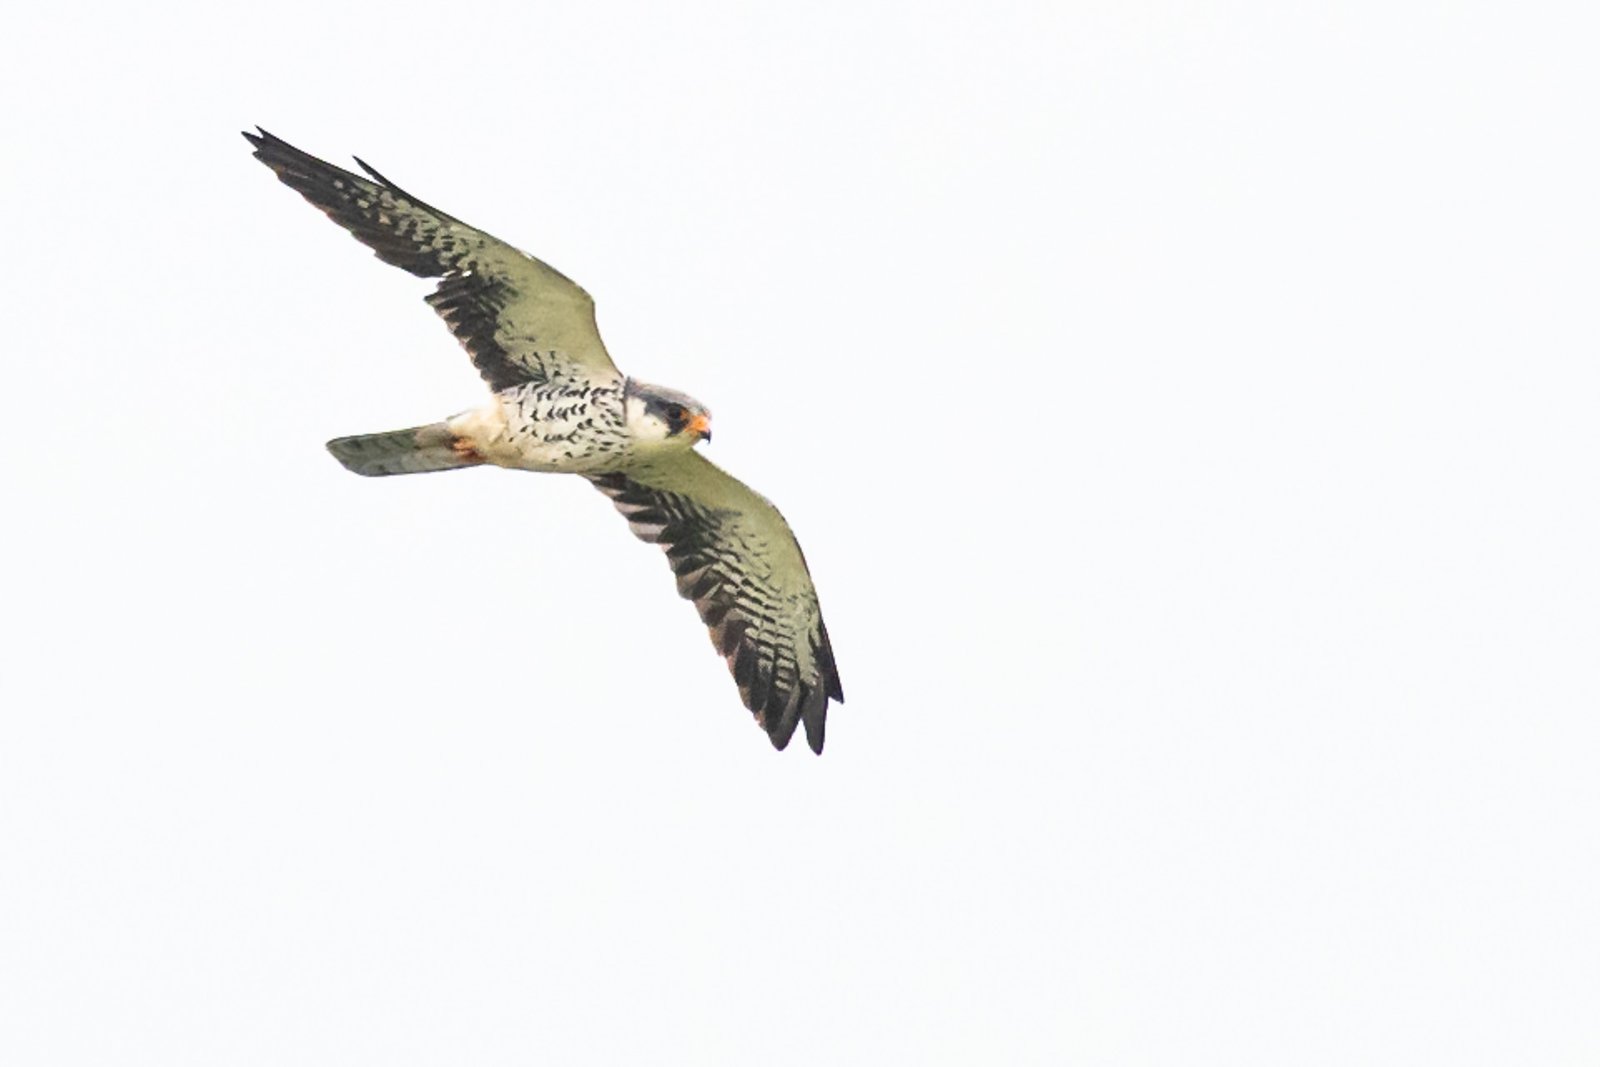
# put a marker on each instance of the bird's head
(665, 417)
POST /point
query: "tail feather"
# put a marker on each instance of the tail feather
(413, 451)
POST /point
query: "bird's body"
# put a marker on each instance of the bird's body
(559, 405)
(561, 427)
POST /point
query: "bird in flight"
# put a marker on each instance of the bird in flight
(558, 404)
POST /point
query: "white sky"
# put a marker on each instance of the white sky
(1189, 414)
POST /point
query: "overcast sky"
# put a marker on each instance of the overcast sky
(1188, 412)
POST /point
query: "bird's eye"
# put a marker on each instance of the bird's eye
(675, 412)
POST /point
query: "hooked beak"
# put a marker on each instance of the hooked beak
(700, 426)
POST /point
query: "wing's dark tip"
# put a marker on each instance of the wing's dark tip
(372, 172)
(263, 140)
(830, 669)
(780, 733)
(357, 204)
(813, 712)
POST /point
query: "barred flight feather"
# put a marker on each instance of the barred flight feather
(521, 320)
(734, 557)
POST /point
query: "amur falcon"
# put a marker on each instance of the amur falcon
(558, 404)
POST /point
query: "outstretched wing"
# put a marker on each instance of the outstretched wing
(738, 561)
(520, 319)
